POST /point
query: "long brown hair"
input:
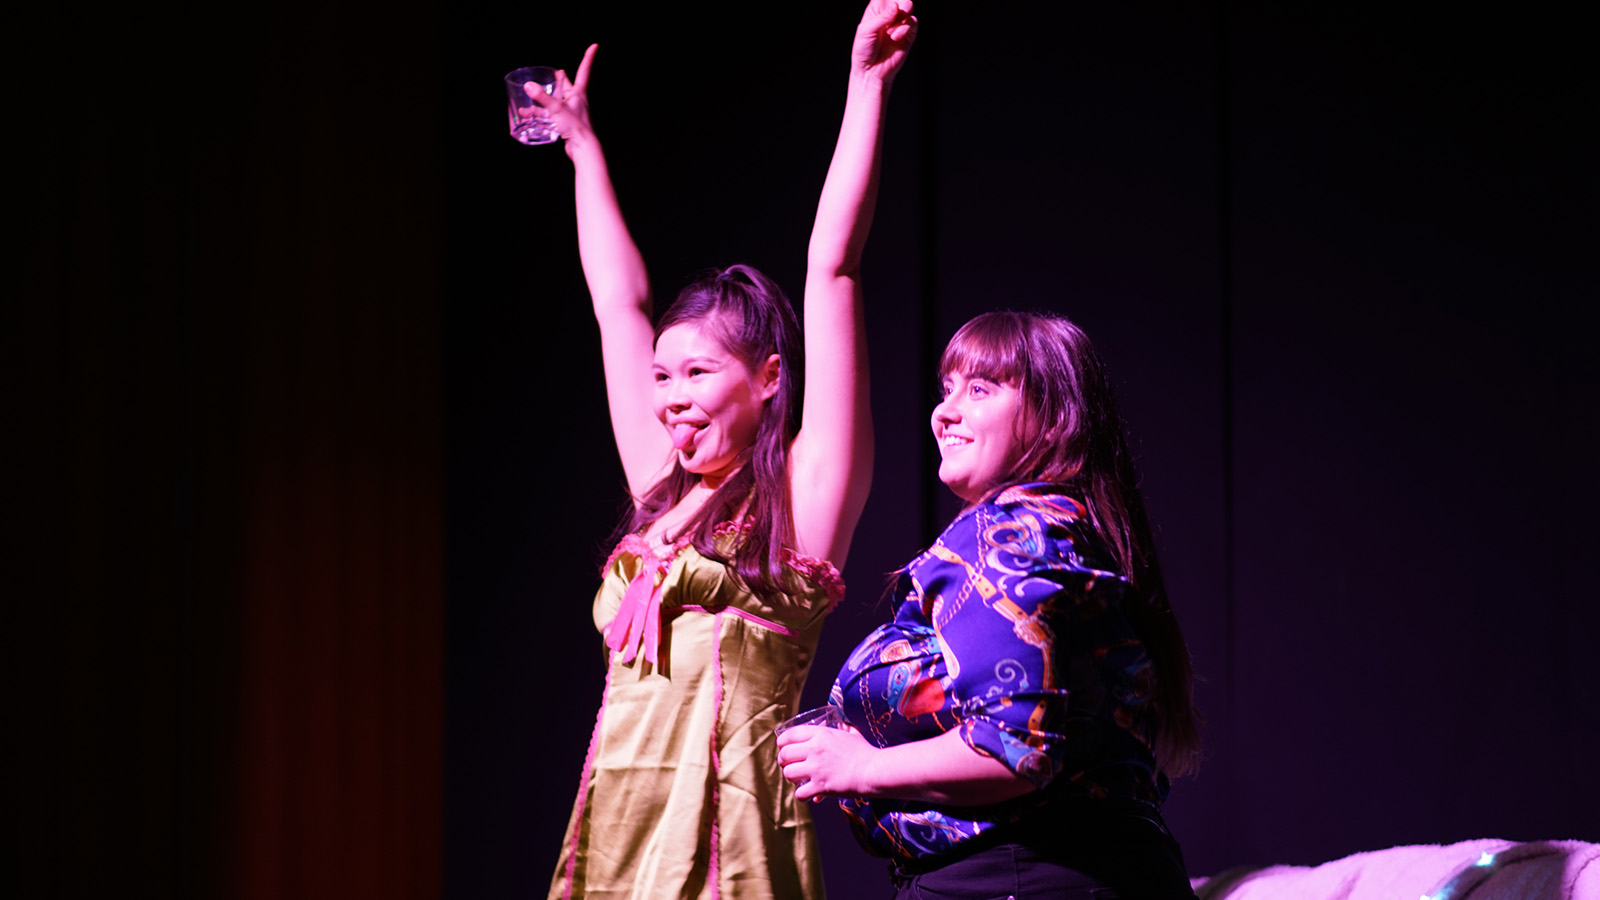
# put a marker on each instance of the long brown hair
(751, 317)
(1073, 435)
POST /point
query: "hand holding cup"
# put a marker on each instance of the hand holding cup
(525, 90)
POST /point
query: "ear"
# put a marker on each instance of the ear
(768, 376)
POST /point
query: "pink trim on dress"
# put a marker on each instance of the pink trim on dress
(815, 569)
(583, 789)
(715, 868)
(748, 617)
(639, 546)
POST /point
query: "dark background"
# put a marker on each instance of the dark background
(313, 471)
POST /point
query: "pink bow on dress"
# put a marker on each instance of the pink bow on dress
(638, 620)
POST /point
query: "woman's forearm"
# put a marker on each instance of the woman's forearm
(612, 265)
(849, 195)
(941, 770)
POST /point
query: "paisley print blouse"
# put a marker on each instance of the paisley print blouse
(1010, 628)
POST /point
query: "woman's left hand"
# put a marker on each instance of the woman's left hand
(568, 105)
(885, 34)
(825, 762)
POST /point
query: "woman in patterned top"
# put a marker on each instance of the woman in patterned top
(1015, 724)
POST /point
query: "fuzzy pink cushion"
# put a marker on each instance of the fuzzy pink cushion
(1470, 870)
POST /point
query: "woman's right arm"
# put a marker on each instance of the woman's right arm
(940, 770)
(831, 458)
(618, 285)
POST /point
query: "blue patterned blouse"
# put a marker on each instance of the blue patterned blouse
(1010, 629)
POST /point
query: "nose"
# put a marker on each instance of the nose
(945, 411)
(674, 397)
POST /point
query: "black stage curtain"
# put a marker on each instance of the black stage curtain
(229, 648)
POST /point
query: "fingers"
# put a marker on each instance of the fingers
(565, 88)
(582, 84)
(792, 754)
(898, 13)
(809, 782)
(906, 31)
(903, 29)
(879, 15)
(811, 757)
(889, 23)
(791, 771)
(546, 100)
(895, 14)
(787, 752)
(791, 759)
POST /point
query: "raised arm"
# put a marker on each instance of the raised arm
(618, 284)
(831, 461)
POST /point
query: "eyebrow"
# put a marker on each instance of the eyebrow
(689, 361)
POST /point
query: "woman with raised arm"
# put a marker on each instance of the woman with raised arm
(748, 479)
(1015, 724)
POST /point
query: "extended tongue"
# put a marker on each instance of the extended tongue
(683, 436)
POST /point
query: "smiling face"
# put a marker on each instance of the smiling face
(710, 401)
(976, 427)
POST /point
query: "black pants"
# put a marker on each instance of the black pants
(1126, 854)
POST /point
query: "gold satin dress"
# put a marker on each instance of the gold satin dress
(681, 795)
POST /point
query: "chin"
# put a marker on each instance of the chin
(951, 480)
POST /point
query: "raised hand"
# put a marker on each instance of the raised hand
(568, 106)
(885, 34)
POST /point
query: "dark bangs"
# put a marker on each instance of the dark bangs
(992, 346)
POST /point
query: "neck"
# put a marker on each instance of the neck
(710, 481)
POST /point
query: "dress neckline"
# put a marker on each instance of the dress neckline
(819, 571)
